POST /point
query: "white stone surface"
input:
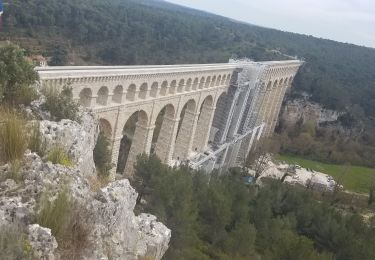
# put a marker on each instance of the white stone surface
(302, 176)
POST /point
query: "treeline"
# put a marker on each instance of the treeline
(155, 32)
(331, 143)
(220, 217)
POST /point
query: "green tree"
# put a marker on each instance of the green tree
(17, 76)
(103, 155)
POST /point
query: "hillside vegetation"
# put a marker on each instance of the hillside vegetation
(155, 32)
(219, 217)
(353, 178)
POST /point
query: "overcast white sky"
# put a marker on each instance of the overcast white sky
(350, 21)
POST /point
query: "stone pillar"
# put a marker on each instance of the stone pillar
(141, 143)
(184, 140)
(166, 140)
(203, 129)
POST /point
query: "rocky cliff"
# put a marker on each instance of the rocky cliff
(115, 231)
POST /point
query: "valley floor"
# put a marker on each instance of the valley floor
(353, 178)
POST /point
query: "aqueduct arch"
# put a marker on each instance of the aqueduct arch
(132, 142)
(164, 133)
(186, 130)
(204, 124)
(85, 97)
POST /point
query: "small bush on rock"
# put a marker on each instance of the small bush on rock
(68, 222)
(58, 155)
(55, 215)
(61, 104)
(13, 137)
(17, 76)
(14, 243)
(37, 143)
(102, 155)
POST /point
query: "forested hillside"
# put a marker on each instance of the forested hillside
(219, 217)
(155, 32)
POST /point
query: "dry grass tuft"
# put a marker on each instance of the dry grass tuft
(58, 155)
(13, 135)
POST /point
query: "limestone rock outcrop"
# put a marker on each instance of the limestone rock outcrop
(77, 138)
(139, 236)
(115, 231)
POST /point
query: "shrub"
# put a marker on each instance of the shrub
(17, 75)
(13, 137)
(15, 172)
(55, 215)
(102, 155)
(58, 155)
(37, 143)
(14, 243)
(67, 221)
(61, 104)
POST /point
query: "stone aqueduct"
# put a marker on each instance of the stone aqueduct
(207, 114)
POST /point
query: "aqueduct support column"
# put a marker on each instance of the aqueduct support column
(184, 141)
(141, 144)
(166, 141)
(202, 132)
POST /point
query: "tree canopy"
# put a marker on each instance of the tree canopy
(220, 217)
(337, 75)
(16, 76)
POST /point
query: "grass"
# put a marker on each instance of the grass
(353, 178)
(68, 222)
(14, 243)
(13, 136)
(58, 155)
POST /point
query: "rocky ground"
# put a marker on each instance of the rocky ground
(115, 231)
(298, 175)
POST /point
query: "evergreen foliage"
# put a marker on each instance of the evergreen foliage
(16, 76)
(156, 32)
(219, 217)
(102, 155)
(61, 104)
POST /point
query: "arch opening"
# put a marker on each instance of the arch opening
(134, 135)
(201, 83)
(221, 113)
(85, 97)
(203, 125)
(213, 81)
(195, 84)
(164, 88)
(185, 130)
(188, 85)
(172, 87)
(102, 98)
(163, 133)
(117, 94)
(154, 90)
(208, 81)
(218, 81)
(181, 85)
(143, 91)
(130, 95)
